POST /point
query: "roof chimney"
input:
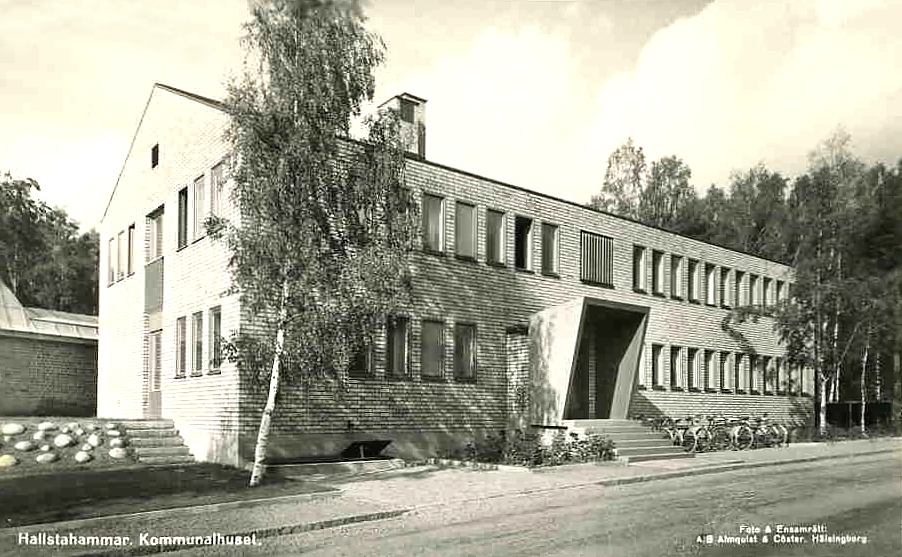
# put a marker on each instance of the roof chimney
(412, 111)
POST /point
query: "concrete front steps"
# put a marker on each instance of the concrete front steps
(633, 441)
(156, 442)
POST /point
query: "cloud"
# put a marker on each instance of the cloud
(740, 83)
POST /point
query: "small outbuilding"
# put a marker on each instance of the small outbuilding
(48, 360)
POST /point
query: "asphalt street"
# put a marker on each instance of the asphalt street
(853, 506)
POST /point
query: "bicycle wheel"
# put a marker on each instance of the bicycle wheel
(688, 440)
(781, 435)
(702, 439)
(742, 437)
(720, 439)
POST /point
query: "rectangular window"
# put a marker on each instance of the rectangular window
(766, 294)
(465, 230)
(398, 346)
(770, 375)
(550, 246)
(155, 155)
(200, 207)
(726, 289)
(695, 280)
(754, 294)
(181, 346)
(710, 370)
(407, 107)
(757, 366)
(215, 339)
(216, 189)
(197, 342)
(183, 218)
(741, 298)
(120, 258)
(361, 364)
(710, 284)
(641, 371)
(523, 243)
(727, 371)
(657, 272)
(676, 276)
(742, 378)
(657, 365)
(464, 352)
(781, 291)
(432, 349)
(597, 261)
(494, 236)
(433, 223)
(676, 368)
(111, 261)
(155, 233)
(640, 272)
(695, 369)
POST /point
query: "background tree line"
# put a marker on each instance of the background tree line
(44, 259)
(839, 225)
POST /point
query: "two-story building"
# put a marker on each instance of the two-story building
(529, 311)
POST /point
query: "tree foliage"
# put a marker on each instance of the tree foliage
(321, 253)
(43, 258)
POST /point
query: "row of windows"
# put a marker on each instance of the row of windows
(596, 262)
(704, 281)
(189, 343)
(679, 368)
(432, 351)
(121, 249)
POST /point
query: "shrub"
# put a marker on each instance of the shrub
(522, 448)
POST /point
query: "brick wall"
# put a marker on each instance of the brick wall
(43, 377)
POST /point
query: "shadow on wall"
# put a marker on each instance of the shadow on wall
(795, 410)
(48, 406)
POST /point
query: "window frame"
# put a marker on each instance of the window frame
(640, 275)
(439, 374)
(181, 346)
(658, 363)
(726, 287)
(197, 343)
(676, 276)
(727, 372)
(459, 376)
(215, 356)
(217, 187)
(111, 262)
(592, 271)
(155, 156)
(200, 210)
(555, 258)
(120, 260)
(695, 281)
(182, 219)
(458, 205)
(526, 243)
(676, 371)
(501, 237)
(657, 273)
(426, 196)
(154, 223)
(711, 284)
(694, 382)
(391, 325)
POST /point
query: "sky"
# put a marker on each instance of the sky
(532, 92)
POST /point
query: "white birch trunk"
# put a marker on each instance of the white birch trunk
(864, 375)
(822, 414)
(266, 420)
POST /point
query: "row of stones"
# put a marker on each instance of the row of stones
(68, 435)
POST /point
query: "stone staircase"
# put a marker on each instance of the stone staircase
(633, 441)
(156, 442)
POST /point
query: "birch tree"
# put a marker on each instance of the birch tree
(320, 255)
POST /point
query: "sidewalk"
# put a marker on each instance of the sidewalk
(395, 492)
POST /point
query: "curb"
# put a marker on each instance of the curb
(135, 551)
(183, 511)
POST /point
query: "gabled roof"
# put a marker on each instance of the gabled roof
(16, 318)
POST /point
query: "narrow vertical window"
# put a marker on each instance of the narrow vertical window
(766, 294)
(494, 236)
(550, 248)
(183, 218)
(726, 289)
(397, 346)
(710, 370)
(215, 339)
(657, 365)
(695, 281)
(181, 346)
(741, 299)
(131, 250)
(676, 368)
(742, 381)
(640, 374)
(727, 371)
(523, 243)
(465, 230)
(155, 235)
(754, 293)
(155, 155)
(597, 259)
(433, 223)
(155, 350)
(464, 352)
(781, 291)
(695, 369)
(197, 341)
(640, 272)
(362, 362)
(676, 276)
(120, 259)
(657, 272)
(111, 261)
(200, 207)
(432, 349)
(216, 189)
(710, 284)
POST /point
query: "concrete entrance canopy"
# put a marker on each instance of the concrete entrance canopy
(583, 342)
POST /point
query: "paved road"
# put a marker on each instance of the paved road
(850, 497)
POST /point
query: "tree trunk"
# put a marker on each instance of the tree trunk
(822, 413)
(877, 377)
(864, 375)
(266, 420)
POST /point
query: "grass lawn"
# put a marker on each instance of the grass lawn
(75, 494)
